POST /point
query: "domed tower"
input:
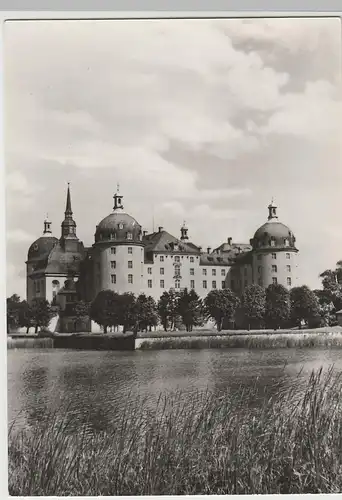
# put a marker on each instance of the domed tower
(274, 253)
(118, 252)
(37, 257)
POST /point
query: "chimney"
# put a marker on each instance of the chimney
(230, 240)
(160, 229)
(144, 233)
(208, 249)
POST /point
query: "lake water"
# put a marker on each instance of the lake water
(99, 384)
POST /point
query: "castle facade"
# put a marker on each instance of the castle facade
(124, 258)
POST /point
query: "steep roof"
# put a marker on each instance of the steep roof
(162, 241)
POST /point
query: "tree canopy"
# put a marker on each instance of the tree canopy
(220, 305)
(190, 309)
(277, 310)
(254, 305)
(304, 304)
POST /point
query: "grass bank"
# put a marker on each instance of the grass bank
(206, 445)
(247, 341)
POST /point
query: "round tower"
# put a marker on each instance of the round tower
(118, 252)
(274, 253)
(36, 260)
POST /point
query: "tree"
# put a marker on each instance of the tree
(127, 311)
(254, 305)
(190, 308)
(81, 311)
(304, 305)
(220, 305)
(326, 308)
(13, 304)
(146, 311)
(277, 310)
(332, 285)
(40, 313)
(105, 309)
(168, 309)
(25, 316)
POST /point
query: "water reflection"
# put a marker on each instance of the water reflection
(95, 388)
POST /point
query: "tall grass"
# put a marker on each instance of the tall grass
(322, 340)
(206, 445)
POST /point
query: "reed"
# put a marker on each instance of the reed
(260, 341)
(203, 444)
(25, 343)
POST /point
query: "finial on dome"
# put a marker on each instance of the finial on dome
(117, 199)
(47, 226)
(272, 210)
(184, 232)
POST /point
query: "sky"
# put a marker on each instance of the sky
(197, 120)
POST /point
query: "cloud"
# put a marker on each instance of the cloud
(197, 119)
(19, 236)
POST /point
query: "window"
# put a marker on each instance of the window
(288, 268)
(130, 250)
(213, 272)
(246, 282)
(192, 284)
(177, 270)
(129, 236)
(113, 279)
(274, 281)
(149, 270)
(177, 284)
(192, 259)
(213, 284)
(223, 284)
(287, 243)
(161, 270)
(204, 272)
(112, 264)
(161, 258)
(113, 250)
(192, 271)
(204, 284)
(149, 283)
(162, 284)
(130, 264)
(289, 281)
(288, 256)
(37, 286)
(223, 272)
(177, 258)
(259, 269)
(274, 269)
(274, 255)
(130, 279)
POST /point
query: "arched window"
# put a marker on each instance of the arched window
(177, 270)
(177, 284)
(287, 243)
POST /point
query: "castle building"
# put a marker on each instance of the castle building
(124, 258)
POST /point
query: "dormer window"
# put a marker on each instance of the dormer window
(112, 236)
(129, 236)
(121, 225)
(287, 243)
(273, 242)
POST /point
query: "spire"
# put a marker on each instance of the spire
(184, 232)
(68, 225)
(272, 211)
(47, 226)
(68, 210)
(118, 199)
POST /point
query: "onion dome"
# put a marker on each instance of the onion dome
(118, 226)
(273, 234)
(42, 247)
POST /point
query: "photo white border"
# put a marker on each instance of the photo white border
(127, 9)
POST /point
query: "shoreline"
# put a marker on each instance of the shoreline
(320, 338)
